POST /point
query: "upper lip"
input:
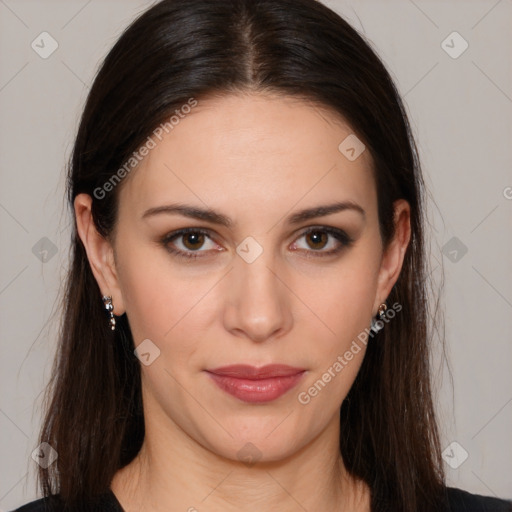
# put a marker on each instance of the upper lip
(252, 372)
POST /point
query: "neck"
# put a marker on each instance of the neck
(175, 472)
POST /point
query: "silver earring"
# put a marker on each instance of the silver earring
(107, 301)
(381, 314)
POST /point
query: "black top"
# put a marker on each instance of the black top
(459, 501)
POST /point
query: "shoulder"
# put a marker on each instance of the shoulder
(41, 505)
(106, 503)
(463, 501)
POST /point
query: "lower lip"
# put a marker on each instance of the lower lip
(256, 391)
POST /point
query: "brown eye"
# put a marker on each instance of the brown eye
(193, 241)
(323, 241)
(318, 239)
(190, 243)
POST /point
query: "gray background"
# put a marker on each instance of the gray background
(460, 110)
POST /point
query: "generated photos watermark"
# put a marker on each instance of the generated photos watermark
(304, 397)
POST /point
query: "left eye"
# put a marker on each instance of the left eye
(325, 241)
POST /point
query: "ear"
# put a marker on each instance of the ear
(393, 258)
(100, 253)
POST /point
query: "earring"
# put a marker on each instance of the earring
(381, 314)
(107, 301)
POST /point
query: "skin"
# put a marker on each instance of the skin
(257, 159)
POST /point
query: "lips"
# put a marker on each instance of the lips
(256, 385)
(244, 371)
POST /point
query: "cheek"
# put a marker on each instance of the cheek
(164, 302)
(342, 304)
(341, 300)
(153, 297)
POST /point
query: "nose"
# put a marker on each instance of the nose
(258, 304)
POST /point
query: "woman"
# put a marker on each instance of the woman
(246, 316)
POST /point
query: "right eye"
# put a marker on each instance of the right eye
(191, 240)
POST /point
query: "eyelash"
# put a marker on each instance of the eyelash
(345, 240)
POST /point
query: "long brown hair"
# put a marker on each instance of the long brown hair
(182, 49)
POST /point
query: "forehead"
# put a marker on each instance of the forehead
(255, 149)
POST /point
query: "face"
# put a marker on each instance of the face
(264, 286)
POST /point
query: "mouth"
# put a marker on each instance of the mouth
(256, 385)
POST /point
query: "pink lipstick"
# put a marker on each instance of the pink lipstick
(256, 385)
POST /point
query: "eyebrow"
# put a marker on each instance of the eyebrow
(207, 214)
